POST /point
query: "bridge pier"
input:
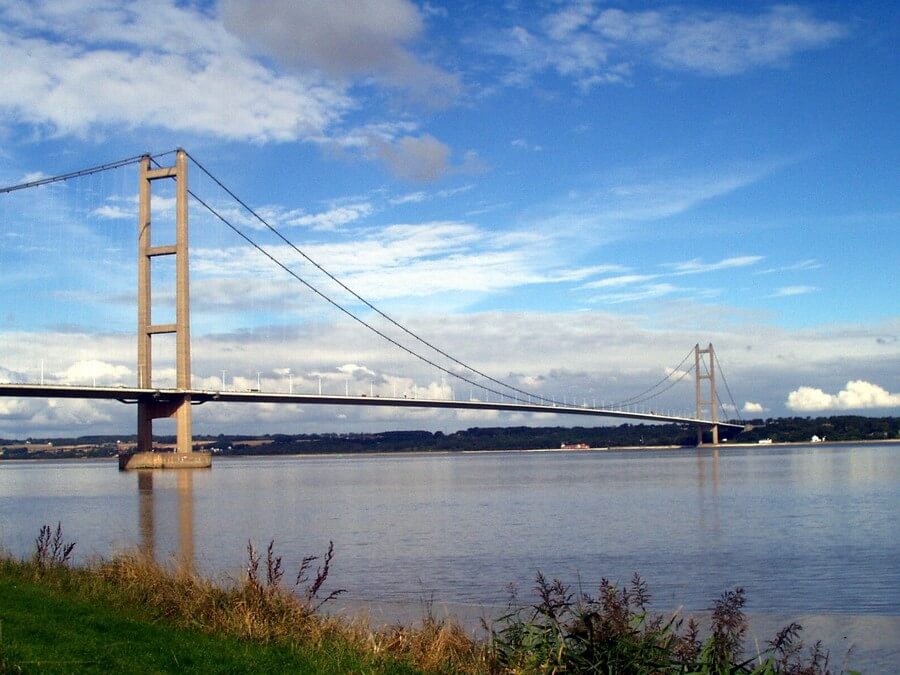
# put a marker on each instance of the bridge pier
(177, 405)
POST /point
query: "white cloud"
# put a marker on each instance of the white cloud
(641, 290)
(343, 38)
(396, 261)
(113, 212)
(646, 292)
(601, 46)
(83, 69)
(669, 370)
(788, 291)
(697, 266)
(452, 192)
(15, 409)
(80, 67)
(362, 137)
(94, 370)
(620, 201)
(421, 196)
(66, 416)
(405, 261)
(751, 407)
(409, 198)
(621, 280)
(355, 371)
(726, 44)
(333, 218)
(857, 395)
(32, 176)
(118, 207)
(522, 144)
(578, 54)
(802, 265)
(8, 376)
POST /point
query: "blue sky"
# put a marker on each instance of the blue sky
(611, 182)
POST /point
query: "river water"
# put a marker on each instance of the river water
(811, 532)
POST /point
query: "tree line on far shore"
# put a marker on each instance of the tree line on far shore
(779, 430)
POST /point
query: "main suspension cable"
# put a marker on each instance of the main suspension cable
(633, 399)
(336, 304)
(81, 172)
(368, 304)
(683, 375)
(728, 389)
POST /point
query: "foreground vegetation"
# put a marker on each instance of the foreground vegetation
(129, 614)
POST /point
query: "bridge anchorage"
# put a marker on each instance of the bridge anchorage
(155, 403)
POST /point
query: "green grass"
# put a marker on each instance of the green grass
(52, 628)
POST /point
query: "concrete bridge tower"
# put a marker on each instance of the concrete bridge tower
(176, 405)
(705, 369)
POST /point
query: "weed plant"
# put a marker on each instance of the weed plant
(565, 632)
(50, 550)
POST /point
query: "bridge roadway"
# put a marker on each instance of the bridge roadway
(199, 396)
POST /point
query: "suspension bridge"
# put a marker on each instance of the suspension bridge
(155, 402)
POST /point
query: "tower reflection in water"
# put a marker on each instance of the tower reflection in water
(147, 512)
(709, 495)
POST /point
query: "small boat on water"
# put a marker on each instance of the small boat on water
(765, 441)
(574, 446)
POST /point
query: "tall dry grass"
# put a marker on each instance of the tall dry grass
(262, 607)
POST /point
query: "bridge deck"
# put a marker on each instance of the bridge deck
(199, 396)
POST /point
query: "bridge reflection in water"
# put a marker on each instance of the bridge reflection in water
(183, 556)
(158, 541)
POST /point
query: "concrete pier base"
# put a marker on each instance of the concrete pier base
(164, 460)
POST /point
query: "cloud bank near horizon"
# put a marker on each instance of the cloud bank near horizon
(338, 358)
(857, 395)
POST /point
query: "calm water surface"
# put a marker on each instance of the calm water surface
(806, 530)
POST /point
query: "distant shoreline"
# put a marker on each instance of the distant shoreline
(837, 430)
(447, 453)
(867, 441)
(705, 446)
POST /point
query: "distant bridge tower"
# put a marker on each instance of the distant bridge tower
(705, 369)
(177, 405)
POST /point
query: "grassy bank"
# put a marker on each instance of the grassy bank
(129, 614)
(50, 629)
(56, 628)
